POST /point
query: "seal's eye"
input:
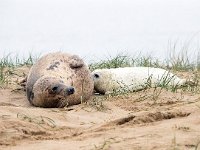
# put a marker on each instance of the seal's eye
(54, 89)
(96, 75)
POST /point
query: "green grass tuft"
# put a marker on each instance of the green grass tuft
(121, 60)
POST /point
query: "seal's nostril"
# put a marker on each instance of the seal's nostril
(70, 90)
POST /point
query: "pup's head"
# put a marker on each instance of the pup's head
(102, 80)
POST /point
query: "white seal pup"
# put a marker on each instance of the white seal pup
(58, 80)
(133, 79)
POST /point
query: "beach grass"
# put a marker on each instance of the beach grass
(178, 59)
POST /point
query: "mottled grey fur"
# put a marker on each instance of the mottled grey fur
(63, 70)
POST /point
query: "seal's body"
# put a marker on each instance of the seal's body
(58, 80)
(132, 79)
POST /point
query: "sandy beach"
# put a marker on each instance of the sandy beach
(150, 119)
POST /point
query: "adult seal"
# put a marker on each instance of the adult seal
(131, 79)
(59, 80)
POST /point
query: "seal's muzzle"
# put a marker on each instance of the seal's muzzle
(70, 90)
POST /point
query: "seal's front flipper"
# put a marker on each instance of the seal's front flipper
(76, 62)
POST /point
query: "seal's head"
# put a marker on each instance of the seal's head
(50, 92)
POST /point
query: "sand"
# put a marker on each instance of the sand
(151, 119)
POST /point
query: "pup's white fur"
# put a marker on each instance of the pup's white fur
(132, 79)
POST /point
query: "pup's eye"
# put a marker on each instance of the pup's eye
(96, 75)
